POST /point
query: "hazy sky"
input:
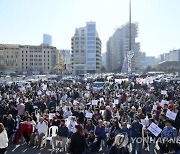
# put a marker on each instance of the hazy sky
(25, 21)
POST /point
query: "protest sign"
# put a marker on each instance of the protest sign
(94, 102)
(101, 99)
(171, 115)
(163, 92)
(154, 129)
(75, 102)
(89, 115)
(145, 122)
(116, 101)
(51, 115)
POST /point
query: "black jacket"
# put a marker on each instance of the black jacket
(78, 144)
(63, 131)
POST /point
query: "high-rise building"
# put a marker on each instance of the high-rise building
(118, 45)
(29, 59)
(86, 50)
(47, 39)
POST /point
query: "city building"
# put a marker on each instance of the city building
(104, 59)
(9, 58)
(47, 39)
(174, 55)
(29, 59)
(118, 45)
(86, 50)
(67, 57)
(151, 61)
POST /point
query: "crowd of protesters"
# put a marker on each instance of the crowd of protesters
(117, 122)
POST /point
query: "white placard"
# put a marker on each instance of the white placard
(171, 115)
(154, 107)
(145, 122)
(154, 129)
(102, 112)
(116, 101)
(51, 115)
(101, 99)
(44, 87)
(163, 92)
(94, 102)
(48, 93)
(22, 89)
(75, 102)
(164, 102)
(86, 95)
(39, 93)
(89, 115)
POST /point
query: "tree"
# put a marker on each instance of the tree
(58, 68)
(103, 69)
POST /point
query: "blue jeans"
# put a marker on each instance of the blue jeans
(136, 146)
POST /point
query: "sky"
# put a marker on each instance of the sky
(25, 21)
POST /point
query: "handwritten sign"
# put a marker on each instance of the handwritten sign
(171, 115)
(164, 102)
(154, 107)
(94, 102)
(39, 93)
(154, 129)
(52, 115)
(163, 92)
(101, 99)
(44, 87)
(116, 101)
(75, 102)
(86, 95)
(145, 122)
(89, 115)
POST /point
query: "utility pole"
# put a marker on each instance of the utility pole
(130, 53)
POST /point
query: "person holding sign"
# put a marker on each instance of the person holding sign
(169, 132)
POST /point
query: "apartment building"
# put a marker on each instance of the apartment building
(86, 50)
(118, 45)
(29, 59)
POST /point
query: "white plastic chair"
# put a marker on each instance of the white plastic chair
(51, 133)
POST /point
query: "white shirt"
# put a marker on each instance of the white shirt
(3, 139)
(41, 127)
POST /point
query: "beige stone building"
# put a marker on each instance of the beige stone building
(28, 59)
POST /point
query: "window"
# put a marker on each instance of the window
(22, 63)
(7, 56)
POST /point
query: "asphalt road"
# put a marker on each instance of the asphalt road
(24, 148)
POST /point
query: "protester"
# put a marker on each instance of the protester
(78, 142)
(3, 139)
(103, 114)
